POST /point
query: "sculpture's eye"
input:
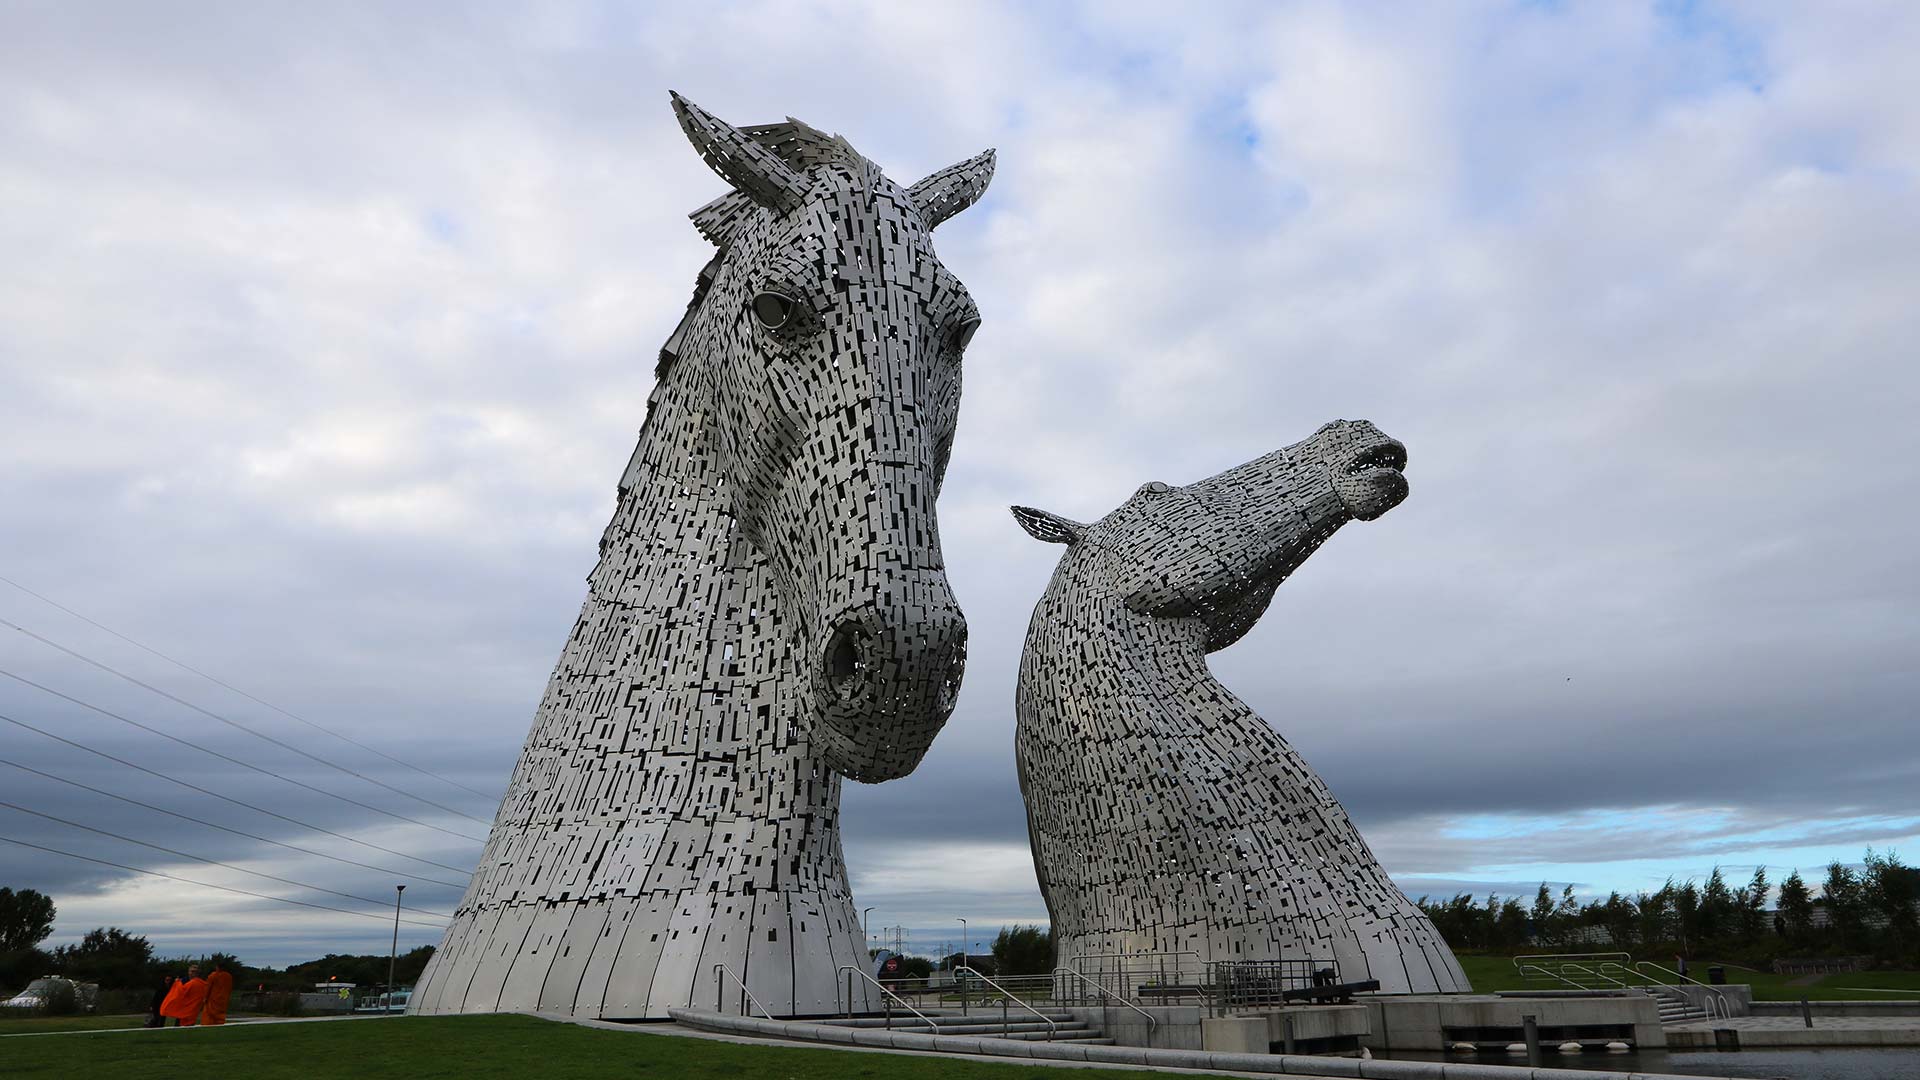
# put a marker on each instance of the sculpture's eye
(964, 333)
(773, 309)
(1155, 487)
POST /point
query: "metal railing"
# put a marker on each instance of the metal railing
(746, 995)
(1556, 966)
(1006, 995)
(1598, 973)
(1125, 974)
(1264, 984)
(1725, 1010)
(1106, 995)
(1529, 971)
(890, 997)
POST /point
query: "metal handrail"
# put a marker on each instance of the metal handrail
(1594, 957)
(1524, 968)
(1007, 995)
(855, 968)
(720, 991)
(1600, 974)
(1152, 1022)
(1726, 1010)
(1118, 966)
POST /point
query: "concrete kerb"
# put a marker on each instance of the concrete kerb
(1273, 1064)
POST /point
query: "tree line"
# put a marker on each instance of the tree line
(1872, 910)
(121, 961)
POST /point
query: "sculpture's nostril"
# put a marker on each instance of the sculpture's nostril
(845, 660)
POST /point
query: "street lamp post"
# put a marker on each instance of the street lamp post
(394, 955)
(864, 931)
(963, 943)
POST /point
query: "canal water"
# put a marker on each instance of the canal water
(1837, 1063)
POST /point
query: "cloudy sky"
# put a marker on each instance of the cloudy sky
(325, 332)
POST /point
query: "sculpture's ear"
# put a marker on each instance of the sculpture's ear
(753, 169)
(1051, 528)
(952, 189)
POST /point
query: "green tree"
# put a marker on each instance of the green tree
(1844, 902)
(111, 957)
(1617, 915)
(1753, 906)
(1023, 950)
(1717, 911)
(1541, 914)
(26, 918)
(1510, 930)
(1686, 915)
(1890, 891)
(1796, 906)
(1652, 913)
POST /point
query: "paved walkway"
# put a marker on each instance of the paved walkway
(1759, 1031)
(232, 1021)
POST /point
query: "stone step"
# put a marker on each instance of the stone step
(1064, 1034)
(957, 1025)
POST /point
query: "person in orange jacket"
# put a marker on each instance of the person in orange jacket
(185, 1000)
(219, 986)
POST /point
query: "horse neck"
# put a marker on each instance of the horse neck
(692, 563)
(1097, 623)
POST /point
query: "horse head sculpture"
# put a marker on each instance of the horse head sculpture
(769, 614)
(1216, 549)
(1165, 815)
(829, 336)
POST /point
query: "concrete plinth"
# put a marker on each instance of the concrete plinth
(1436, 1021)
(1234, 1034)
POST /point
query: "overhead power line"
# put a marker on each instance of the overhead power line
(223, 828)
(211, 885)
(216, 862)
(184, 666)
(237, 725)
(225, 798)
(150, 729)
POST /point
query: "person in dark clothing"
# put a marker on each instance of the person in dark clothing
(154, 1019)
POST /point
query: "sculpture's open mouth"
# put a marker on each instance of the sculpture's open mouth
(1369, 480)
(1389, 455)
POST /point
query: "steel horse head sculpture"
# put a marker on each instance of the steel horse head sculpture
(1165, 815)
(770, 613)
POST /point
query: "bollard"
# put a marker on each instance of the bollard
(1530, 1026)
(1806, 1011)
(1286, 1032)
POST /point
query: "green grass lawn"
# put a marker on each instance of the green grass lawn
(462, 1047)
(1494, 973)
